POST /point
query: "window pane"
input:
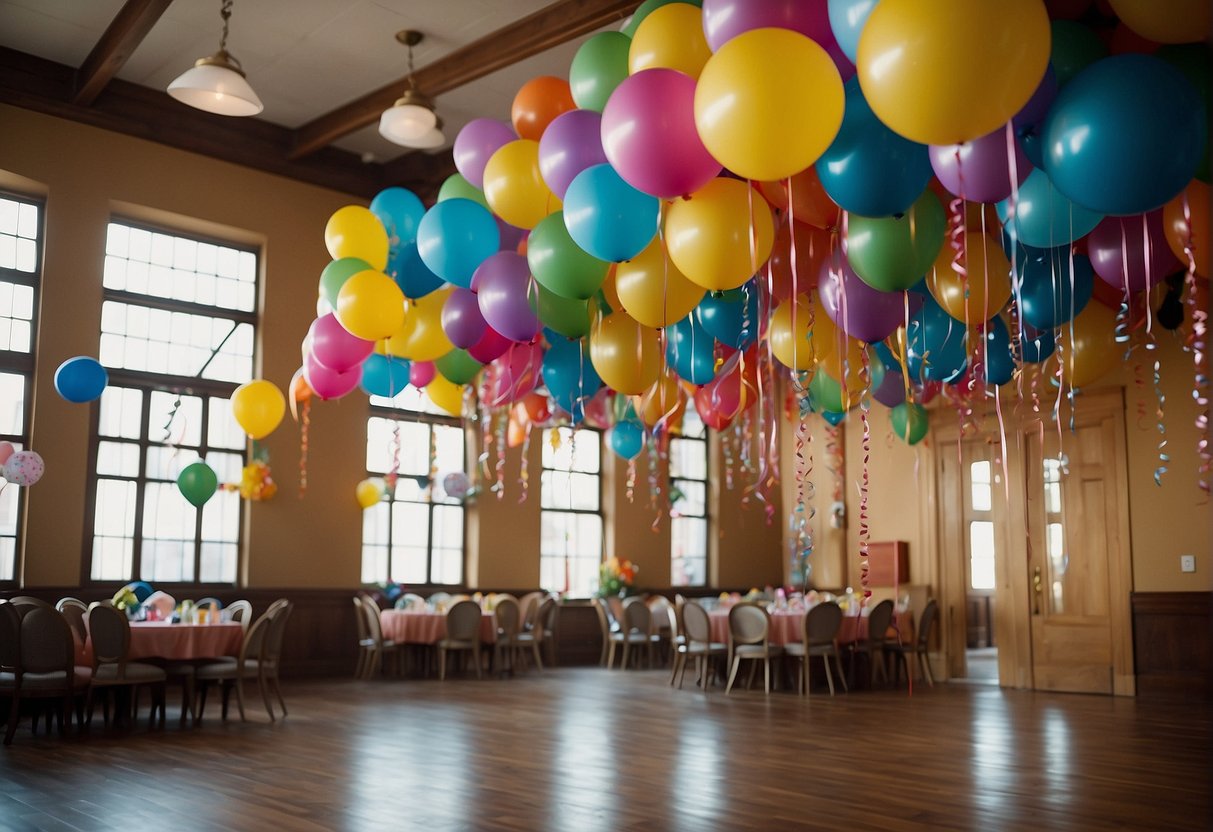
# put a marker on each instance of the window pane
(222, 430)
(119, 459)
(693, 501)
(446, 562)
(981, 554)
(16, 314)
(12, 404)
(121, 412)
(689, 458)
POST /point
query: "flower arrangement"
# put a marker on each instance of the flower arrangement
(256, 482)
(615, 577)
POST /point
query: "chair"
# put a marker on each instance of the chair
(37, 659)
(819, 631)
(111, 635)
(920, 648)
(69, 601)
(240, 612)
(549, 624)
(677, 639)
(638, 631)
(366, 645)
(232, 671)
(28, 601)
(271, 661)
(462, 633)
(379, 647)
(528, 607)
(535, 637)
(73, 610)
(208, 602)
(507, 620)
(697, 633)
(750, 640)
(609, 630)
(874, 645)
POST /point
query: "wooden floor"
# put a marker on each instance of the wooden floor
(586, 749)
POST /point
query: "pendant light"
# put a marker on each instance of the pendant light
(411, 121)
(217, 84)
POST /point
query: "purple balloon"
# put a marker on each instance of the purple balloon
(329, 384)
(724, 20)
(491, 347)
(870, 314)
(461, 319)
(979, 170)
(892, 389)
(505, 289)
(570, 144)
(422, 373)
(649, 134)
(334, 347)
(1142, 237)
(479, 139)
(1034, 112)
(511, 235)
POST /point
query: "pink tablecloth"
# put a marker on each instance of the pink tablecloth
(410, 627)
(786, 626)
(178, 642)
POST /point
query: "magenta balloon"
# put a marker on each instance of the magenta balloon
(515, 374)
(479, 139)
(871, 315)
(326, 383)
(511, 235)
(724, 20)
(649, 134)
(336, 348)
(1142, 238)
(505, 289)
(892, 389)
(422, 373)
(570, 144)
(491, 347)
(461, 318)
(979, 171)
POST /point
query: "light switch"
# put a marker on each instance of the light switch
(1187, 563)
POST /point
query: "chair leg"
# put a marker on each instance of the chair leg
(538, 657)
(441, 664)
(602, 656)
(14, 711)
(201, 704)
(674, 675)
(825, 660)
(733, 674)
(610, 654)
(240, 698)
(749, 682)
(265, 696)
(278, 692)
(476, 660)
(227, 696)
(766, 674)
(841, 676)
(627, 652)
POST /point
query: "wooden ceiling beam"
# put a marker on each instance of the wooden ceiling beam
(116, 45)
(550, 26)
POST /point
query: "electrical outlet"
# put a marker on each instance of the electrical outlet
(1187, 563)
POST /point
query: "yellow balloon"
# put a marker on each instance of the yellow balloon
(988, 278)
(769, 103)
(1087, 345)
(813, 337)
(370, 306)
(421, 337)
(626, 355)
(353, 231)
(609, 294)
(446, 394)
(670, 37)
(514, 187)
(258, 407)
(708, 234)
(1175, 21)
(845, 365)
(947, 71)
(651, 288)
(665, 400)
(370, 491)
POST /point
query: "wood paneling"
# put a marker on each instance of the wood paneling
(1173, 644)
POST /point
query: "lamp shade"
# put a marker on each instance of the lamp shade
(433, 139)
(408, 120)
(215, 85)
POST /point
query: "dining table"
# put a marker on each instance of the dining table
(787, 626)
(428, 626)
(175, 642)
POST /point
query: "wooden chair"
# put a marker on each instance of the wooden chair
(111, 636)
(819, 632)
(240, 612)
(365, 643)
(874, 645)
(549, 624)
(611, 633)
(462, 634)
(750, 640)
(378, 647)
(271, 661)
(678, 638)
(698, 644)
(920, 649)
(638, 632)
(535, 637)
(233, 671)
(507, 619)
(528, 608)
(74, 611)
(37, 658)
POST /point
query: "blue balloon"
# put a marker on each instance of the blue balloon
(626, 438)
(81, 379)
(1047, 298)
(1044, 218)
(870, 170)
(400, 210)
(886, 356)
(731, 317)
(832, 417)
(607, 217)
(412, 275)
(935, 343)
(1036, 345)
(691, 351)
(455, 237)
(846, 22)
(1125, 135)
(1000, 366)
(384, 375)
(570, 377)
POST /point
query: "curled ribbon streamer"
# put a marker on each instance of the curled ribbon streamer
(305, 423)
(524, 478)
(1139, 385)
(631, 480)
(1163, 457)
(728, 448)
(1196, 343)
(500, 439)
(864, 406)
(393, 471)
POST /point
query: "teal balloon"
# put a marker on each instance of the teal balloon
(411, 274)
(1075, 47)
(1049, 295)
(455, 237)
(400, 210)
(1036, 345)
(336, 273)
(846, 22)
(456, 187)
(626, 439)
(691, 351)
(384, 375)
(566, 316)
(569, 376)
(646, 8)
(1000, 366)
(935, 345)
(1192, 59)
(731, 317)
(457, 366)
(599, 66)
(910, 422)
(197, 483)
(1044, 217)
(559, 264)
(607, 217)
(833, 417)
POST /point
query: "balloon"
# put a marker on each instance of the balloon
(353, 231)
(1000, 365)
(399, 210)
(847, 18)
(892, 389)
(893, 253)
(537, 407)
(645, 9)
(421, 338)
(720, 235)
(1044, 218)
(456, 485)
(845, 364)
(336, 273)
(985, 288)
(507, 296)
(81, 379)
(671, 37)
(461, 318)
(567, 316)
(1192, 59)
(935, 345)
(329, 384)
(456, 187)
(833, 418)
(625, 355)
(979, 170)
(867, 314)
(197, 482)
(812, 248)
(492, 346)
(708, 413)
(455, 237)
(1089, 348)
(479, 139)
(1177, 21)
(411, 274)
(1143, 240)
(662, 404)
(421, 373)
(827, 396)
(649, 136)
(569, 375)
(6, 451)
(947, 71)
(734, 385)
(910, 422)
(768, 103)
(1036, 345)
(869, 169)
(446, 395)
(723, 20)
(626, 439)
(653, 291)
(385, 375)
(258, 407)
(1192, 230)
(731, 317)
(370, 491)
(458, 367)
(572, 143)
(1029, 121)
(1047, 296)
(370, 306)
(514, 374)
(691, 351)
(559, 264)
(1074, 48)
(800, 344)
(514, 185)
(599, 66)
(536, 105)
(803, 199)
(26, 468)
(607, 217)
(335, 347)
(1125, 136)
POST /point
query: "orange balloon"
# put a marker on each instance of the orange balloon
(537, 103)
(1088, 346)
(1195, 227)
(812, 251)
(799, 345)
(664, 400)
(609, 292)
(988, 279)
(516, 428)
(809, 200)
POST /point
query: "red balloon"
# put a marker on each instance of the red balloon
(809, 201)
(492, 346)
(812, 250)
(708, 414)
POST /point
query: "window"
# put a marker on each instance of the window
(178, 324)
(689, 503)
(20, 276)
(415, 535)
(1055, 547)
(981, 527)
(570, 525)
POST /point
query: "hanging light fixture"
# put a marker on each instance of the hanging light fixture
(411, 121)
(217, 84)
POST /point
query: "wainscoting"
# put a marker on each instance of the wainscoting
(1173, 644)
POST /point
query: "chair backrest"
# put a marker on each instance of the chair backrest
(439, 598)
(879, 620)
(74, 615)
(256, 638)
(822, 622)
(508, 616)
(209, 602)
(463, 621)
(545, 619)
(926, 623)
(615, 607)
(278, 631)
(240, 612)
(604, 621)
(28, 601)
(749, 624)
(46, 643)
(70, 602)
(10, 637)
(528, 607)
(370, 618)
(696, 625)
(671, 614)
(111, 634)
(658, 604)
(638, 618)
(360, 618)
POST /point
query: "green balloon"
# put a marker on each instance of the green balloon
(197, 483)
(1192, 59)
(893, 253)
(910, 421)
(1074, 48)
(568, 316)
(825, 394)
(559, 264)
(599, 66)
(647, 8)
(458, 367)
(336, 273)
(456, 187)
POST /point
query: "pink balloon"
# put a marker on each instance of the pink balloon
(506, 292)
(479, 139)
(514, 374)
(649, 134)
(492, 346)
(6, 450)
(329, 384)
(1143, 239)
(422, 373)
(870, 314)
(979, 171)
(336, 348)
(570, 144)
(461, 319)
(724, 20)
(597, 409)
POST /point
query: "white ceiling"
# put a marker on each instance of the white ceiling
(303, 57)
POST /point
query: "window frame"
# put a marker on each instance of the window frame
(706, 516)
(599, 513)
